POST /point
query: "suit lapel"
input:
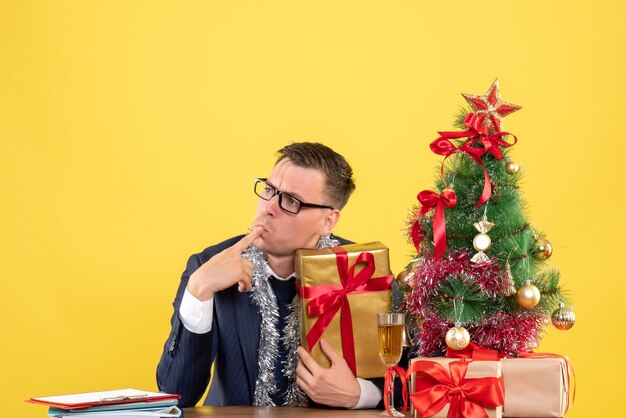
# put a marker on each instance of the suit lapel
(248, 320)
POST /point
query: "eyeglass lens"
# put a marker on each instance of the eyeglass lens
(285, 200)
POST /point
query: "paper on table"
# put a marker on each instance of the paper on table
(169, 412)
(111, 397)
(96, 397)
(120, 406)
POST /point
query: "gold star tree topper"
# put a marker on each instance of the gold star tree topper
(490, 108)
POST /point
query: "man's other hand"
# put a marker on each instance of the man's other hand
(335, 386)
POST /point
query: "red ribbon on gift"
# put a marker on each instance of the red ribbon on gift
(328, 299)
(478, 135)
(475, 352)
(435, 386)
(431, 200)
(389, 378)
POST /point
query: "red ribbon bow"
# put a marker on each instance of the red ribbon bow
(475, 352)
(435, 386)
(328, 299)
(430, 200)
(478, 135)
(490, 142)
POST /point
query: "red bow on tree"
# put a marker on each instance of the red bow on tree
(478, 135)
(430, 200)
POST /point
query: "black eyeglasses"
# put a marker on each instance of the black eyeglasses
(287, 202)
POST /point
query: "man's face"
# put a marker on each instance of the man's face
(283, 232)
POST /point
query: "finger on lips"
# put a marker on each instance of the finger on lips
(248, 239)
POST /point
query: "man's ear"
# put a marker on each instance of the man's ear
(329, 221)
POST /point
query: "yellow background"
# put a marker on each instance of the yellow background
(130, 132)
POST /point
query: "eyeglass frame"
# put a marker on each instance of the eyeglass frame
(280, 198)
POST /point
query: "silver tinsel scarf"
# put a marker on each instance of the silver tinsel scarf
(263, 297)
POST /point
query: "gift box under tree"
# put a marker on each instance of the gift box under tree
(535, 387)
(538, 386)
(454, 388)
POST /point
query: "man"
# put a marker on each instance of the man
(245, 335)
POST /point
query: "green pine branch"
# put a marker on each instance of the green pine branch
(547, 282)
(460, 300)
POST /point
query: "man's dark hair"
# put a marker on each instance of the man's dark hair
(339, 182)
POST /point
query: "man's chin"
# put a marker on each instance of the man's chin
(262, 244)
(271, 249)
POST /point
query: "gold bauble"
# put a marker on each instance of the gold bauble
(543, 248)
(528, 296)
(481, 242)
(400, 276)
(448, 189)
(563, 318)
(511, 167)
(404, 279)
(457, 338)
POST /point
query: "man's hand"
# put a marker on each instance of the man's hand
(223, 270)
(335, 386)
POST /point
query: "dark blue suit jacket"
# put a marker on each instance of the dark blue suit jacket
(231, 346)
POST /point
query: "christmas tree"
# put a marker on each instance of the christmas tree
(480, 273)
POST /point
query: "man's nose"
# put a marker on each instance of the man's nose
(272, 206)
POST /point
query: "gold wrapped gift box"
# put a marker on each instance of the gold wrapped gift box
(319, 267)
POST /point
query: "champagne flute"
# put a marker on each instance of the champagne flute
(390, 330)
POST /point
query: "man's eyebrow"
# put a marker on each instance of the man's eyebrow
(296, 195)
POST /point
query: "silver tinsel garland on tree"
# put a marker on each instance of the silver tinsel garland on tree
(263, 297)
